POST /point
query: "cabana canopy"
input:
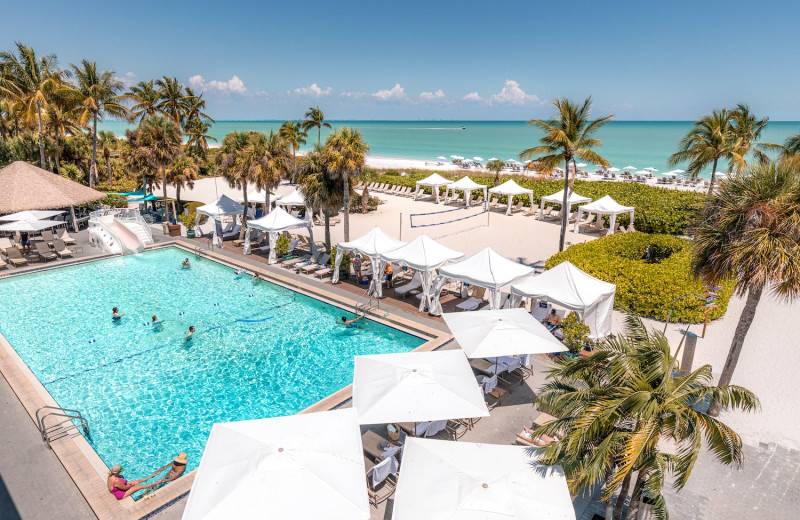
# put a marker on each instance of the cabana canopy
(295, 198)
(465, 185)
(558, 198)
(257, 197)
(25, 186)
(276, 221)
(486, 268)
(434, 181)
(425, 255)
(604, 206)
(566, 285)
(510, 189)
(372, 245)
(221, 207)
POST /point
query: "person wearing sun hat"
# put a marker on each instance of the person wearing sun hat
(176, 469)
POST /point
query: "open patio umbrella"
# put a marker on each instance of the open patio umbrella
(678, 171)
(630, 168)
(415, 387)
(463, 480)
(479, 159)
(650, 169)
(441, 158)
(581, 165)
(305, 466)
(30, 226)
(29, 215)
(612, 169)
(672, 173)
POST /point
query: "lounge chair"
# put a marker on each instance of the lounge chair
(6, 244)
(532, 211)
(631, 228)
(3, 265)
(456, 428)
(519, 206)
(546, 212)
(492, 202)
(47, 236)
(15, 257)
(66, 238)
(316, 263)
(473, 302)
(414, 284)
(321, 273)
(44, 252)
(491, 390)
(61, 249)
(232, 233)
(381, 479)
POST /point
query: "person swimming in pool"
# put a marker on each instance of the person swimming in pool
(121, 488)
(186, 264)
(156, 324)
(189, 334)
(257, 277)
(350, 323)
(115, 315)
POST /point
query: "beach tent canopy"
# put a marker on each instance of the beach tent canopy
(220, 207)
(275, 222)
(31, 226)
(434, 181)
(25, 186)
(295, 198)
(510, 189)
(487, 268)
(30, 215)
(304, 467)
(465, 185)
(371, 245)
(604, 206)
(445, 480)
(569, 287)
(425, 255)
(501, 332)
(558, 198)
(415, 387)
(257, 197)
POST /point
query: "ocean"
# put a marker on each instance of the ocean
(642, 144)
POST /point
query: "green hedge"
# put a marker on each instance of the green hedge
(658, 210)
(647, 288)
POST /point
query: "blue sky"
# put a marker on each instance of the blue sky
(438, 60)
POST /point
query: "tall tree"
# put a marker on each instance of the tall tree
(295, 136)
(160, 142)
(619, 407)
(710, 140)
(749, 230)
(172, 99)
(495, 165)
(194, 104)
(144, 98)
(99, 94)
(197, 137)
(747, 130)
(234, 167)
(108, 140)
(346, 153)
(315, 119)
(322, 190)
(30, 81)
(566, 136)
(182, 173)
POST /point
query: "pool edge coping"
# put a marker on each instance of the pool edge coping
(82, 463)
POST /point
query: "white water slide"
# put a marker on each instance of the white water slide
(117, 232)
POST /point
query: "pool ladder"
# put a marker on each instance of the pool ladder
(363, 307)
(66, 422)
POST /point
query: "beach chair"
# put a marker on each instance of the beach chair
(44, 252)
(590, 217)
(491, 390)
(322, 259)
(520, 206)
(631, 228)
(532, 211)
(456, 428)
(492, 202)
(528, 436)
(540, 310)
(573, 216)
(479, 200)
(3, 265)
(547, 211)
(473, 302)
(6, 243)
(15, 257)
(296, 260)
(233, 232)
(47, 236)
(325, 271)
(381, 479)
(61, 249)
(414, 284)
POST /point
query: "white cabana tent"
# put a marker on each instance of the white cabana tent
(275, 222)
(510, 189)
(36, 214)
(569, 287)
(465, 185)
(295, 198)
(604, 206)
(425, 255)
(304, 467)
(435, 181)
(258, 197)
(445, 480)
(30, 226)
(372, 245)
(558, 198)
(221, 207)
(415, 387)
(487, 268)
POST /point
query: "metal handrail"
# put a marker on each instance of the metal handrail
(62, 427)
(370, 303)
(129, 214)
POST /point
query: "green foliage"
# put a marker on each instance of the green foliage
(345, 265)
(576, 333)
(71, 172)
(187, 219)
(282, 245)
(6, 154)
(355, 203)
(646, 288)
(658, 210)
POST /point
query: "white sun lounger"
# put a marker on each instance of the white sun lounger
(474, 301)
(414, 283)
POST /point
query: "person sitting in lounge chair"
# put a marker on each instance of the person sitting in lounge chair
(185, 264)
(121, 488)
(553, 320)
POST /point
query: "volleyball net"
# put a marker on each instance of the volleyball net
(434, 218)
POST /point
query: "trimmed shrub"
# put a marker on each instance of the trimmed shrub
(576, 333)
(355, 203)
(645, 286)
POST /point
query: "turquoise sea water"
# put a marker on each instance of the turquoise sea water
(147, 394)
(625, 143)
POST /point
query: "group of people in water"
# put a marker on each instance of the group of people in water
(121, 488)
(155, 323)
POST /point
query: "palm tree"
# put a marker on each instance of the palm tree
(294, 135)
(99, 94)
(30, 81)
(616, 407)
(159, 142)
(495, 165)
(568, 135)
(172, 99)
(181, 173)
(315, 119)
(747, 130)
(197, 137)
(144, 97)
(108, 140)
(710, 139)
(267, 156)
(346, 152)
(750, 231)
(194, 104)
(322, 190)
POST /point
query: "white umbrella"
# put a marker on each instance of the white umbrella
(30, 226)
(678, 171)
(649, 169)
(36, 214)
(721, 174)
(442, 158)
(670, 174)
(459, 157)
(612, 169)
(479, 159)
(415, 387)
(581, 165)
(512, 161)
(493, 159)
(454, 156)
(463, 480)
(529, 160)
(501, 332)
(642, 172)
(630, 168)
(305, 466)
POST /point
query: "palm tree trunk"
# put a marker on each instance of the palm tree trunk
(108, 164)
(294, 164)
(41, 135)
(346, 207)
(365, 200)
(244, 212)
(636, 497)
(609, 509)
(713, 177)
(564, 207)
(623, 494)
(745, 320)
(327, 213)
(177, 194)
(93, 166)
(164, 186)
(319, 135)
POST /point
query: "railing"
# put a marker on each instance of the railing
(363, 306)
(66, 422)
(126, 215)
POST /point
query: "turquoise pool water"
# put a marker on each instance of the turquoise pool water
(147, 394)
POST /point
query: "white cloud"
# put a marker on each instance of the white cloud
(129, 79)
(473, 96)
(234, 84)
(396, 92)
(433, 96)
(512, 94)
(352, 95)
(314, 91)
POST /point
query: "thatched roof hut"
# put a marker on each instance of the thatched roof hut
(25, 186)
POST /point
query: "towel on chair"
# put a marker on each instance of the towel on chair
(382, 470)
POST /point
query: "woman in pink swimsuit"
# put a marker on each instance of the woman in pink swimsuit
(121, 488)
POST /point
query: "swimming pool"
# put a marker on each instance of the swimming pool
(259, 350)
